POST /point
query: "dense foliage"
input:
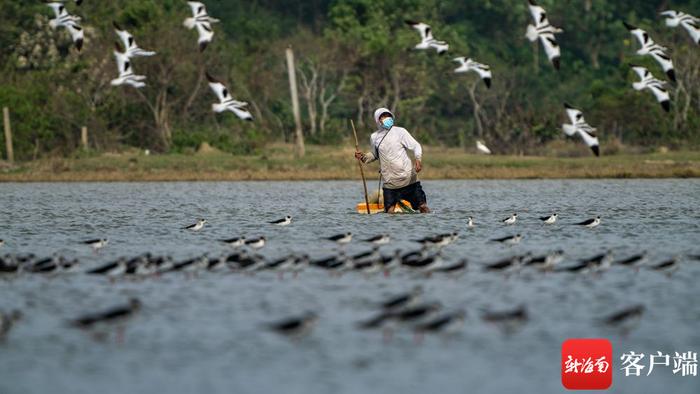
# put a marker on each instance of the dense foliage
(352, 56)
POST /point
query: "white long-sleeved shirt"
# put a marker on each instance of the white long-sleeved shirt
(391, 149)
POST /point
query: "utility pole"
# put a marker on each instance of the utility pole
(291, 69)
(84, 137)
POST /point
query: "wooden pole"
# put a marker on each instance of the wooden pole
(291, 69)
(84, 137)
(8, 135)
(359, 163)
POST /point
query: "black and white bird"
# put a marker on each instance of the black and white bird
(427, 39)
(669, 266)
(508, 320)
(256, 243)
(96, 244)
(546, 262)
(590, 223)
(379, 240)
(655, 86)
(424, 265)
(416, 314)
(507, 264)
(235, 242)
(579, 126)
(226, 102)
(448, 323)
(625, 319)
(651, 48)
(341, 239)
(286, 221)
(632, 261)
(132, 50)
(545, 32)
(114, 315)
(70, 22)
(690, 23)
(2, 243)
(126, 72)
(597, 263)
(202, 21)
(113, 269)
(470, 223)
(190, 265)
(7, 321)
(509, 240)
(197, 226)
(469, 65)
(403, 300)
(551, 219)
(295, 327)
(482, 148)
(455, 269)
(512, 219)
(439, 241)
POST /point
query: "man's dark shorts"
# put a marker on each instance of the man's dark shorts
(412, 193)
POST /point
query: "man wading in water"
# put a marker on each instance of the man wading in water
(400, 178)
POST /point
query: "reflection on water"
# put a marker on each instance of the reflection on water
(207, 334)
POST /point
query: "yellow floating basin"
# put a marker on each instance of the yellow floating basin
(402, 207)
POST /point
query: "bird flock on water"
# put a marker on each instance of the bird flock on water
(541, 30)
(403, 311)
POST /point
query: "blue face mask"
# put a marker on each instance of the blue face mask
(388, 123)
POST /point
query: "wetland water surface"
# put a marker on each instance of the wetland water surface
(208, 334)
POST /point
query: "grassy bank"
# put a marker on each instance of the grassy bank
(325, 163)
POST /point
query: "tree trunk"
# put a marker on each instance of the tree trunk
(476, 109)
(291, 70)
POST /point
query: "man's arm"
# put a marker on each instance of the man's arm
(411, 144)
(369, 156)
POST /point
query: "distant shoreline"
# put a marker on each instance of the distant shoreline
(323, 163)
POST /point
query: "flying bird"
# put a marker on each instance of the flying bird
(132, 50)
(226, 102)
(427, 39)
(690, 23)
(70, 22)
(126, 73)
(482, 148)
(651, 48)
(655, 86)
(543, 30)
(579, 126)
(469, 65)
(202, 21)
